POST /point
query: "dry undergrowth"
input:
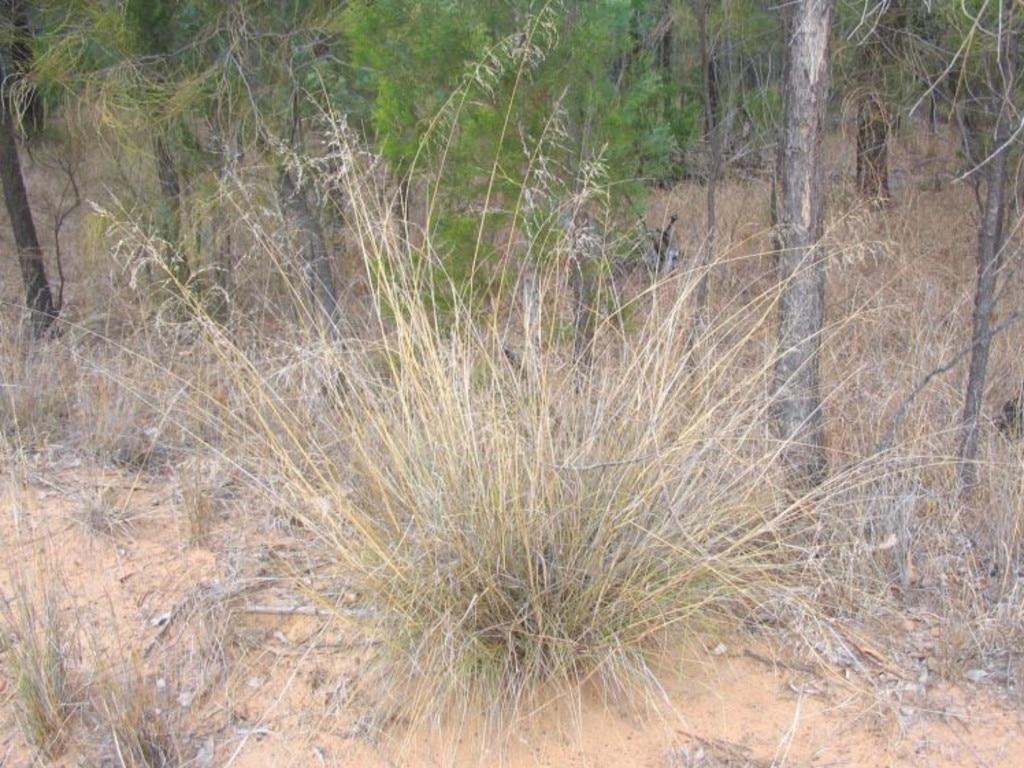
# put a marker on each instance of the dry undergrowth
(39, 651)
(506, 528)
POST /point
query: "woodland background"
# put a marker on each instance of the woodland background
(540, 333)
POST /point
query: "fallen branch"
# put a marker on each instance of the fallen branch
(308, 610)
(886, 444)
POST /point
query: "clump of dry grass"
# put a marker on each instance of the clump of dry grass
(40, 646)
(101, 512)
(135, 731)
(514, 537)
(519, 527)
(35, 386)
(195, 496)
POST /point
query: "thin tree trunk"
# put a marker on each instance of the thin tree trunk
(38, 298)
(713, 136)
(664, 45)
(532, 342)
(319, 276)
(22, 59)
(584, 321)
(170, 224)
(991, 237)
(872, 149)
(797, 386)
(219, 239)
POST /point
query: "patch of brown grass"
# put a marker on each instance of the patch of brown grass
(517, 528)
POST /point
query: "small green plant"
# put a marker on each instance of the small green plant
(39, 647)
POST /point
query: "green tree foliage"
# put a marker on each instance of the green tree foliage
(447, 76)
(506, 111)
(202, 83)
(498, 116)
(746, 47)
(121, 67)
(494, 114)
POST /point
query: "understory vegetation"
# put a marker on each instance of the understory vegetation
(505, 425)
(516, 521)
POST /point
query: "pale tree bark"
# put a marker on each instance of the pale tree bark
(991, 238)
(800, 258)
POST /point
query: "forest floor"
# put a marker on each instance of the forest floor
(193, 622)
(285, 686)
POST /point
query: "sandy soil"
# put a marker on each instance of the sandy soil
(234, 665)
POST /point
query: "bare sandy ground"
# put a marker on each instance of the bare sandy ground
(223, 645)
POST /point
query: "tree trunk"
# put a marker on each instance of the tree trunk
(664, 45)
(800, 260)
(218, 238)
(39, 298)
(713, 136)
(872, 149)
(22, 57)
(991, 238)
(170, 214)
(319, 276)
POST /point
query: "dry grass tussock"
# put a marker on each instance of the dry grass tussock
(40, 650)
(517, 526)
